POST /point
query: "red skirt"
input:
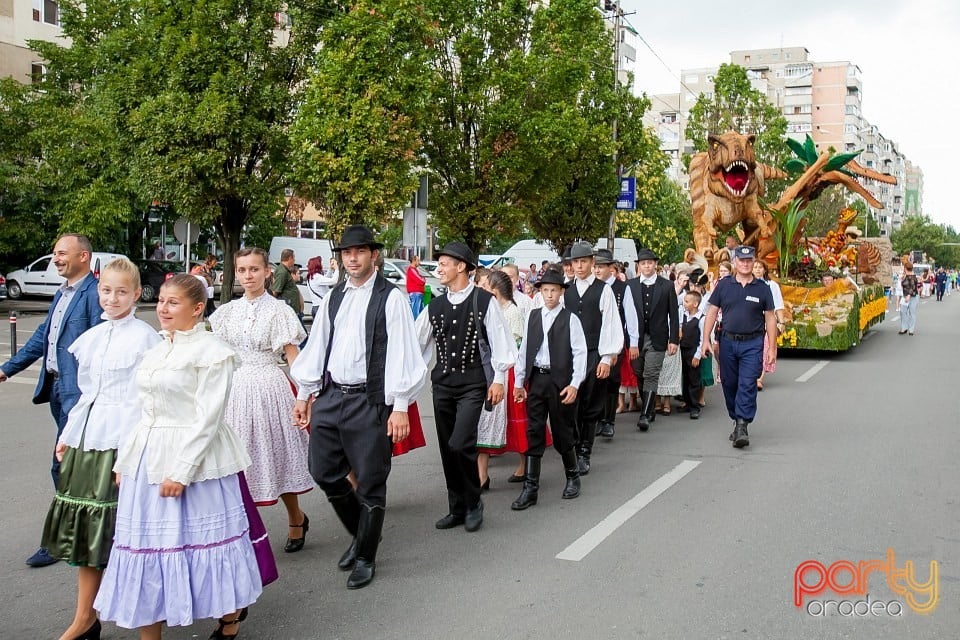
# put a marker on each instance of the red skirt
(415, 440)
(627, 377)
(516, 423)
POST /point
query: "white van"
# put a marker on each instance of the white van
(525, 253)
(624, 249)
(303, 249)
(40, 277)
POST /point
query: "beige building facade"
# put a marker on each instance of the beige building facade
(20, 22)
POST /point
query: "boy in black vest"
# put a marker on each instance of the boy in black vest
(356, 405)
(606, 269)
(553, 363)
(593, 302)
(691, 327)
(474, 351)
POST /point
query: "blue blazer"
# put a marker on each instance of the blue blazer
(84, 312)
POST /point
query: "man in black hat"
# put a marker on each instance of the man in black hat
(748, 314)
(566, 262)
(552, 362)
(355, 404)
(594, 304)
(474, 350)
(652, 317)
(604, 267)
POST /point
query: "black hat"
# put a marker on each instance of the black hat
(647, 254)
(745, 252)
(461, 252)
(566, 257)
(358, 235)
(698, 277)
(581, 250)
(552, 276)
(604, 256)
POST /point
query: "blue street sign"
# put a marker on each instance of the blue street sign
(627, 200)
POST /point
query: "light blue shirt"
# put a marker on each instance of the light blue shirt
(67, 291)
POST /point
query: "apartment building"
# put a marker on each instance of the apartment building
(820, 99)
(21, 21)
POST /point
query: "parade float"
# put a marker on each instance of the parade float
(726, 188)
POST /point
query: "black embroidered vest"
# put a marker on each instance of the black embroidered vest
(587, 309)
(458, 330)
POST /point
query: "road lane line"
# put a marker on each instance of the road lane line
(895, 318)
(22, 380)
(589, 541)
(812, 371)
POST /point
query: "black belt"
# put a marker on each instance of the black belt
(53, 374)
(742, 336)
(544, 370)
(349, 388)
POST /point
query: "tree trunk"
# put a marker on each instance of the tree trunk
(229, 225)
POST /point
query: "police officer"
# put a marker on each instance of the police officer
(748, 314)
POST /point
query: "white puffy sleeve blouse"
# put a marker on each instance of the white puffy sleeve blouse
(183, 384)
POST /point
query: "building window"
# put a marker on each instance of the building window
(37, 71)
(313, 229)
(668, 118)
(46, 11)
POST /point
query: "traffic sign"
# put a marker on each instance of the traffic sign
(627, 200)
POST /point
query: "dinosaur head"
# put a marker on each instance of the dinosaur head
(732, 165)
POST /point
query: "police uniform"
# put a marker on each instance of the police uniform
(744, 308)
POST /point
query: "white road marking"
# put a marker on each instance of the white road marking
(21, 380)
(589, 541)
(895, 318)
(812, 371)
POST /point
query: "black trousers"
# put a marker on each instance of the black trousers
(348, 433)
(592, 398)
(457, 412)
(690, 381)
(543, 402)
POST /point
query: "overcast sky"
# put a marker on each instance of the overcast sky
(908, 53)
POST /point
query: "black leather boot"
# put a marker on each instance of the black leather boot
(348, 508)
(531, 485)
(647, 410)
(606, 426)
(572, 488)
(583, 459)
(368, 540)
(740, 437)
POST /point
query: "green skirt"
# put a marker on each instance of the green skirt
(81, 520)
(706, 371)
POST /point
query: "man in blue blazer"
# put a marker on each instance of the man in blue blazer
(75, 308)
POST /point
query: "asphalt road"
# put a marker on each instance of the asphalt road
(857, 459)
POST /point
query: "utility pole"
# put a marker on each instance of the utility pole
(612, 227)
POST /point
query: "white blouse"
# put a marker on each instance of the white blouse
(183, 384)
(258, 329)
(107, 356)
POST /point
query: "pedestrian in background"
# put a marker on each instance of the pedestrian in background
(80, 523)
(761, 271)
(941, 282)
(747, 306)
(284, 286)
(910, 299)
(75, 308)
(416, 284)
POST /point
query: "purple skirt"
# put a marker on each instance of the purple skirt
(266, 563)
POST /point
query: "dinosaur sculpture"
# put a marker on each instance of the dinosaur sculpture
(725, 182)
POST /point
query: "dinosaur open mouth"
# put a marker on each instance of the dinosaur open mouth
(737, 176)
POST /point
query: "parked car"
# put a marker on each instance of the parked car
(395, 271)
(3, 288)
(218, 285)
(153, 273)
(40, 277)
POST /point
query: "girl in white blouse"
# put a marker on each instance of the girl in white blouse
(182, 548)
(79, 526)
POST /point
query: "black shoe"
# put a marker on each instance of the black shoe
(606, 430)
(41, 558)
(695, 413)
(218, 633)
(349, 556)
(474, 518)
(93, 633)
(531, 485)
(647, 410)
(513, 479)
(368, 540)
(450, 521)
(572, 487)
(486, 485)
(295, 544)
(740, 437)
(583, 464)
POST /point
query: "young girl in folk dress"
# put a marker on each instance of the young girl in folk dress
(260, 409)
(182, 548)
(79, 526)
(505, 427)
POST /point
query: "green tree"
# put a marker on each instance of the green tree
(189, 103)
(356, 139)
(661, 223)
(735, 104)
(918, 233)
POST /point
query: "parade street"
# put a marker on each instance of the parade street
(676, 534)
